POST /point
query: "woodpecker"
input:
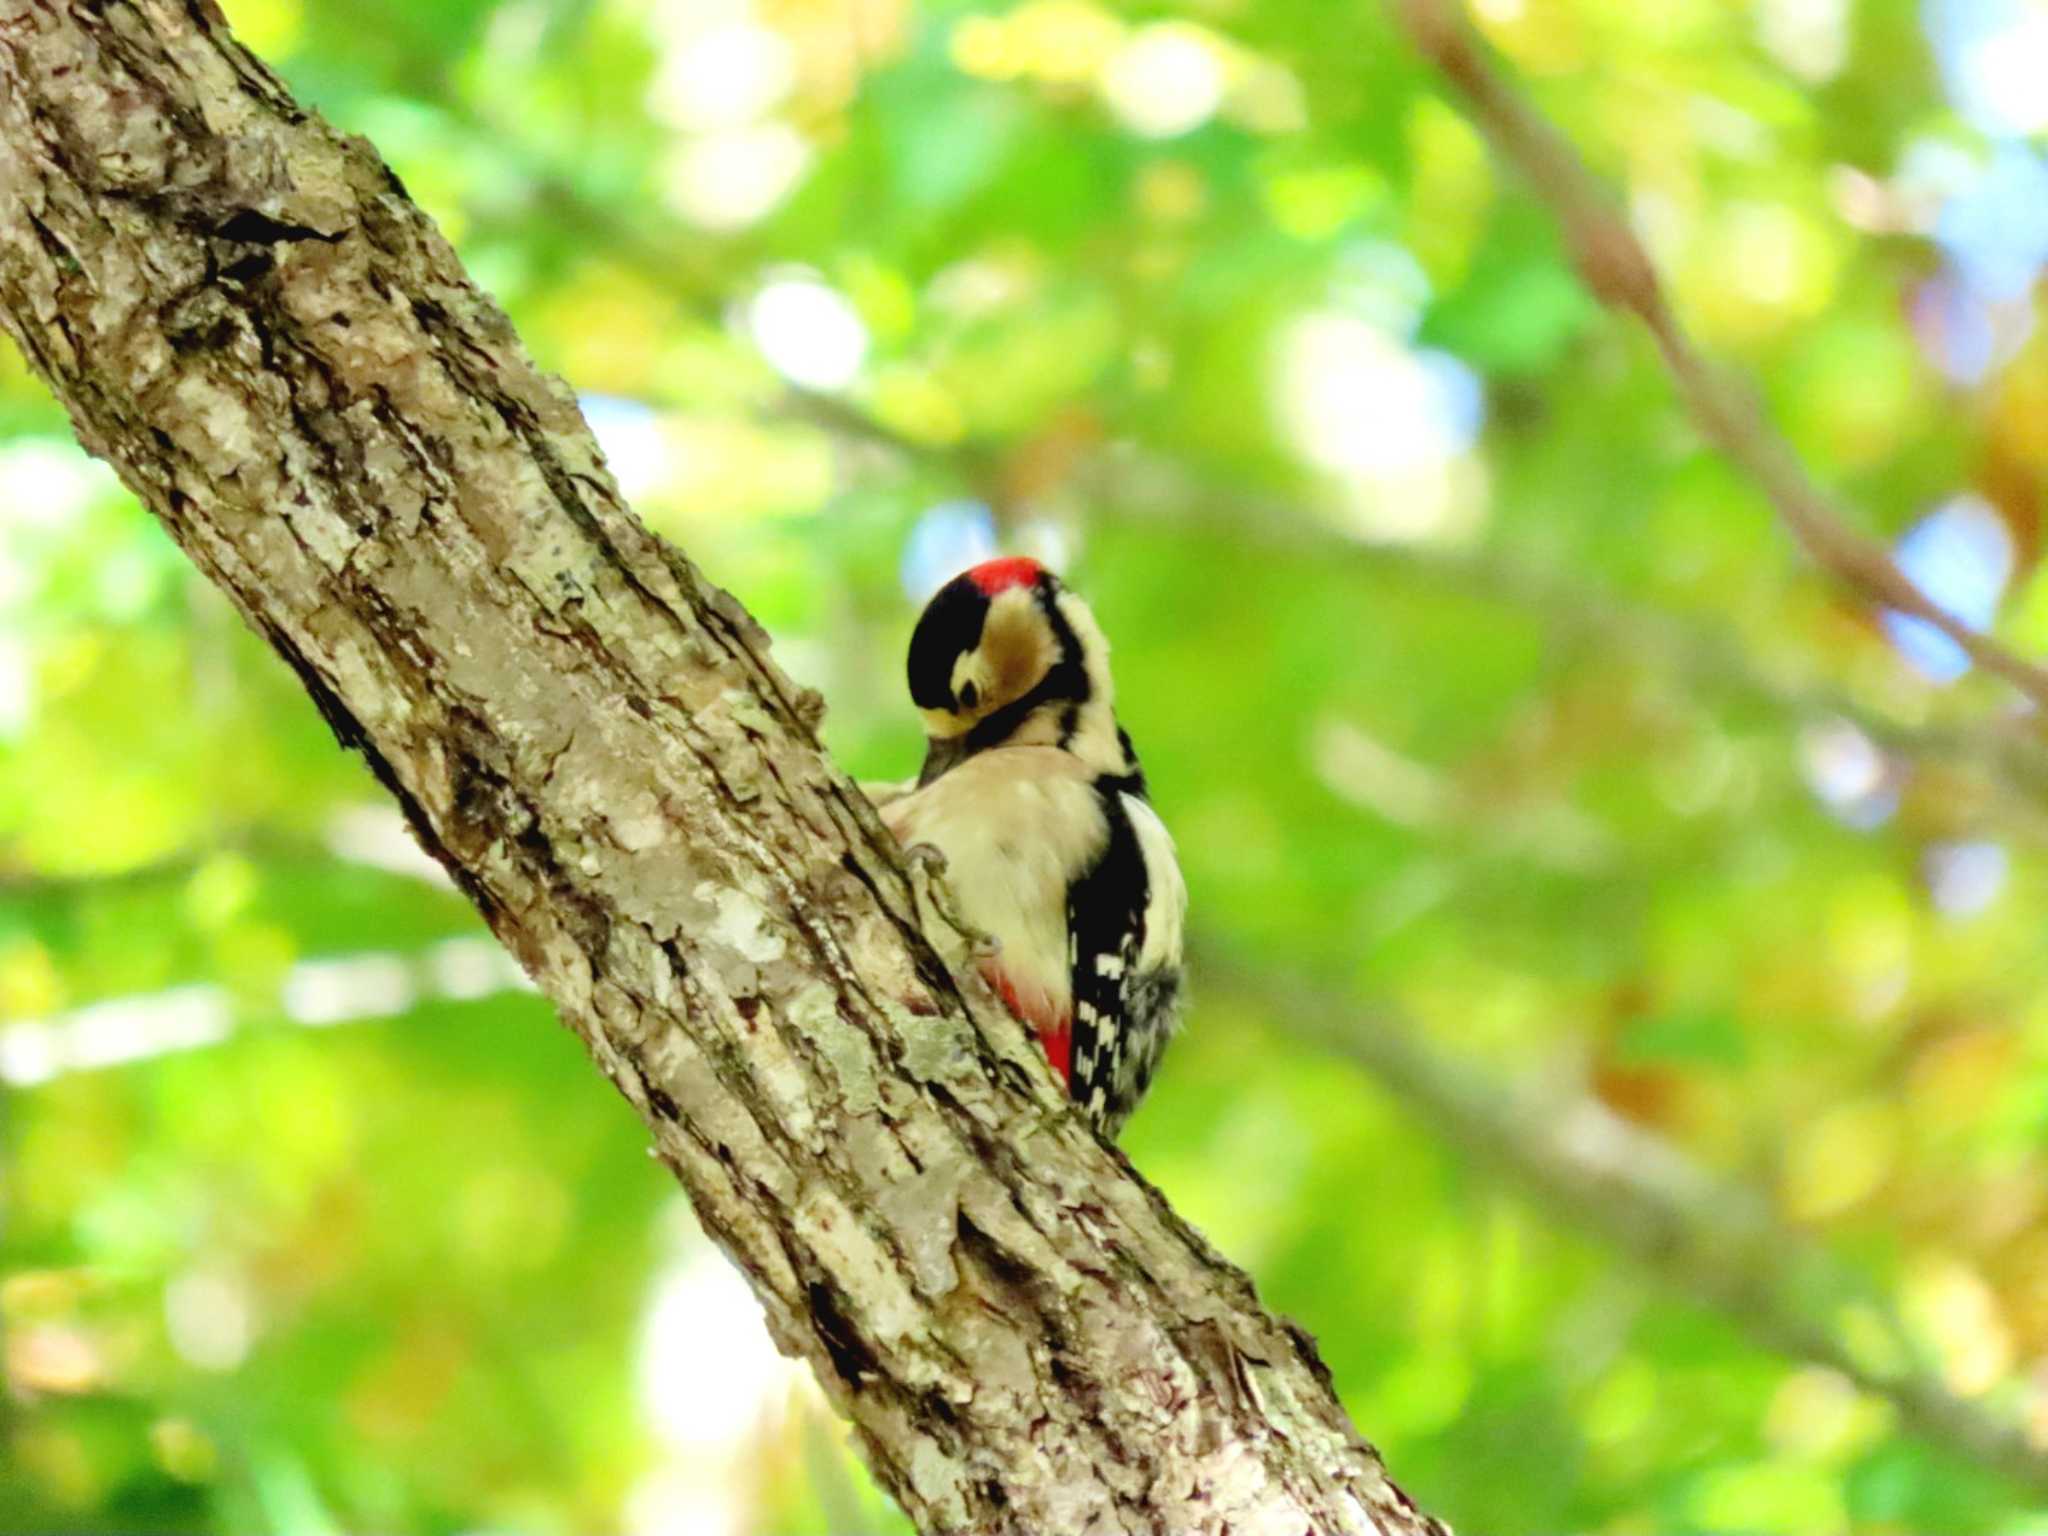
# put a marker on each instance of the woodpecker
(1033, 794)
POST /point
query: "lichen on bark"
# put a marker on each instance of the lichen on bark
(244, 313)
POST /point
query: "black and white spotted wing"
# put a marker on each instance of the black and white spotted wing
(1124, 921)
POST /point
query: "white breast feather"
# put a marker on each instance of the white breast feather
(1015, 824)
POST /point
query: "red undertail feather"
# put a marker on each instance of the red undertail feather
(1055, 1033)
(1058, 1044)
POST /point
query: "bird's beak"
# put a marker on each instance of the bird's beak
(941, 753)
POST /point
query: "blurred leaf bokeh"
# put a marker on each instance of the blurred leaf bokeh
(1473, 687)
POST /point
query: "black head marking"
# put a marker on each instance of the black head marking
(950, 626)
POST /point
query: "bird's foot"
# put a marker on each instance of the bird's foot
(934, 898)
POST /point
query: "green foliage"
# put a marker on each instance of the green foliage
(315, 1222)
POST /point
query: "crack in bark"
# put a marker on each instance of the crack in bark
(252, 226)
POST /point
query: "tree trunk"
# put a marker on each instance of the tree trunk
(244, 313)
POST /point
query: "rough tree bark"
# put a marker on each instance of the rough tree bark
(244, 313)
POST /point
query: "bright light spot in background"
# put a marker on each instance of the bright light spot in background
(726, 76)
(17, 686)
(945, 541)
(1780, 254)
(46, 488)
(467, 969)
(1361, 403)
(1868, 203)
(17, 579)
(1995, 227)
(1360, 768)
(1848, 773)
(979, 286)
(1955, 1309)
(316, 993)
(1931, 171)
(711, 1383)
(684, 1502)
(1393, 421)
(29, 1054)
(1062, 41)
(353, 987)
(517, 32)
(106, 1034)
(709, 1376)
(1965, 878)
(1167, 79)
(52, 1358)
(47, 484)
(1989, 218)
(808, 332)
(721, 73)
(1161, 79)
(109, 1033)
(1815, 1413)
(124, 1029)
(1961, 556)
(1809, 37)
(209, 1319)
(630, 433)
(1964, 334)
(735, 177)
(377, 835)
(1994, 57)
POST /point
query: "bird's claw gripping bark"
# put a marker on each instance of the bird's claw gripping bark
(935, 898)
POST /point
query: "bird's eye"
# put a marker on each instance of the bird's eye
(969, 695)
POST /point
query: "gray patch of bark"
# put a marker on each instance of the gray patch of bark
(244, 313)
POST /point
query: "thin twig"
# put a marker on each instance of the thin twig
(1614, 264)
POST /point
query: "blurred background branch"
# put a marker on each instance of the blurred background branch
(1714, 1241)
(1615, 266)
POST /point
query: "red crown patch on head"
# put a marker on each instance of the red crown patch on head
(993, 576)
